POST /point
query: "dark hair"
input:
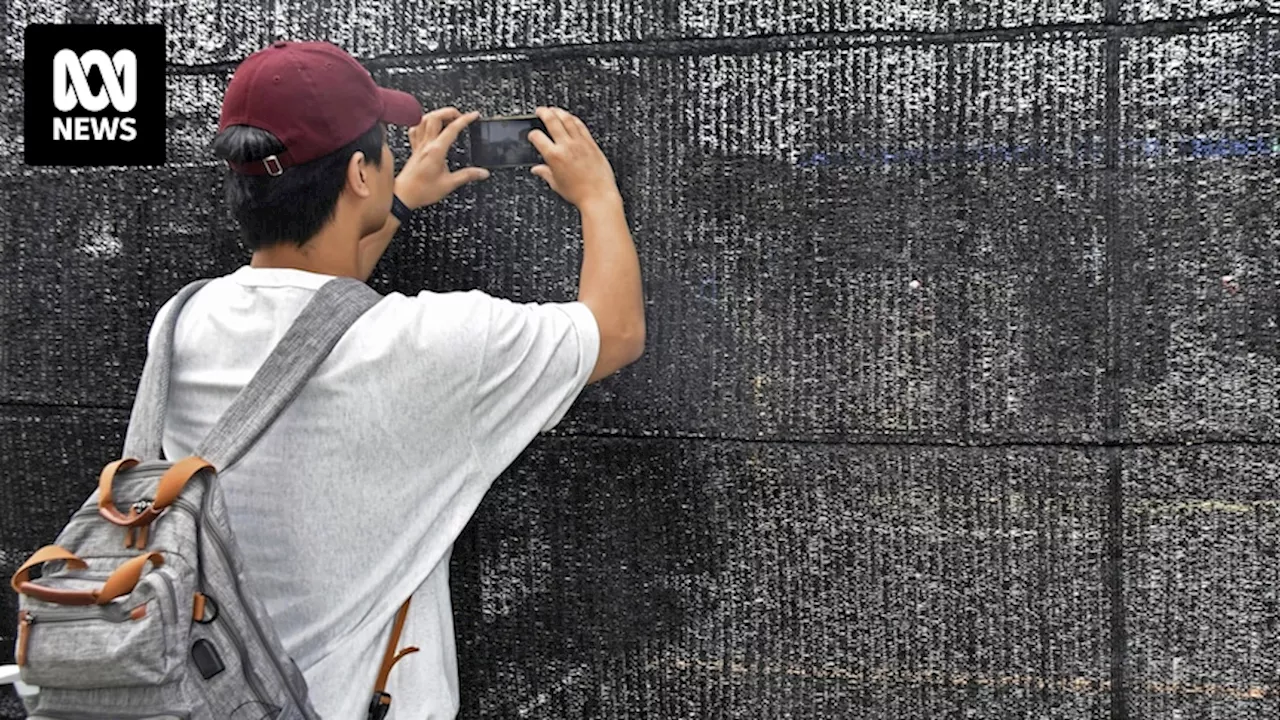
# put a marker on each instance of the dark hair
(292, 206)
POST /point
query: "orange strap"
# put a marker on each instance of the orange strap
(108, 476)
(170, 486)
(48, 553)
(176, 478)
(391, 657)
(24, 635)
(125, 578)
(122, 581)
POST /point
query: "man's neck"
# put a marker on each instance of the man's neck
(326, 253)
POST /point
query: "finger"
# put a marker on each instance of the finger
(543, 172)
(566, 119)
(453, 129)
(555, 127)
(585, 136)
(418, 140)
(466, 175)
(541, 142)
(446, 113)
(581, 127)
(430, 128)
(432, 123)
(415, 133)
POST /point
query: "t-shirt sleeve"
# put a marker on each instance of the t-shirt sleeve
(536, 359)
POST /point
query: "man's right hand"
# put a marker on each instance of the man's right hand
(574, 166)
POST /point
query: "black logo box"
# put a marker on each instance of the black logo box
(42, 42)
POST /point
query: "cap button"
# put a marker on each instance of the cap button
(279, 44)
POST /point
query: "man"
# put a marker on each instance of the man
(425, 400)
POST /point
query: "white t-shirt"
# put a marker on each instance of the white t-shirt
(353, 499)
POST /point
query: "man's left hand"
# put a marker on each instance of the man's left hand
(425, 178)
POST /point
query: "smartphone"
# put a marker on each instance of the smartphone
(504, 141)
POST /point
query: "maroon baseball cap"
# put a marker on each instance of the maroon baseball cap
(314, 97)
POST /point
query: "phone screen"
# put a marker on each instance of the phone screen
(504, 142)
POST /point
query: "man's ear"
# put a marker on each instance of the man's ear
(358, 175)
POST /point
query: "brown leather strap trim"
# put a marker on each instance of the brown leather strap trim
(24, 627)
(391, 657)
(197, 608)
(55, 595)
(168, 489)
(121, 582)
(108, 476)
(125, 578)
(48, 553)
(176, 478)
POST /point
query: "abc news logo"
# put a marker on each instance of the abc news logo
(94, 95)
(71, 88)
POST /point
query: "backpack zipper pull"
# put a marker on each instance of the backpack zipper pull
(132, 538)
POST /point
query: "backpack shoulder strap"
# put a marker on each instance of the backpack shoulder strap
(318, 328)
(146, 421)
(336, 306)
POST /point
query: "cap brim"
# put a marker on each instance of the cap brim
(399, 108)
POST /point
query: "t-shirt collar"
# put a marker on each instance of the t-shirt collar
(250, 276)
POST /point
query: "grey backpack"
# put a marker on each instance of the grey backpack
(142, 610)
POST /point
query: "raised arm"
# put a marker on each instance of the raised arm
(610, 284)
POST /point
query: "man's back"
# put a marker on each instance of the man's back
(353, 499)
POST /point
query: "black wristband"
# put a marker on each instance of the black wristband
(400, 210)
